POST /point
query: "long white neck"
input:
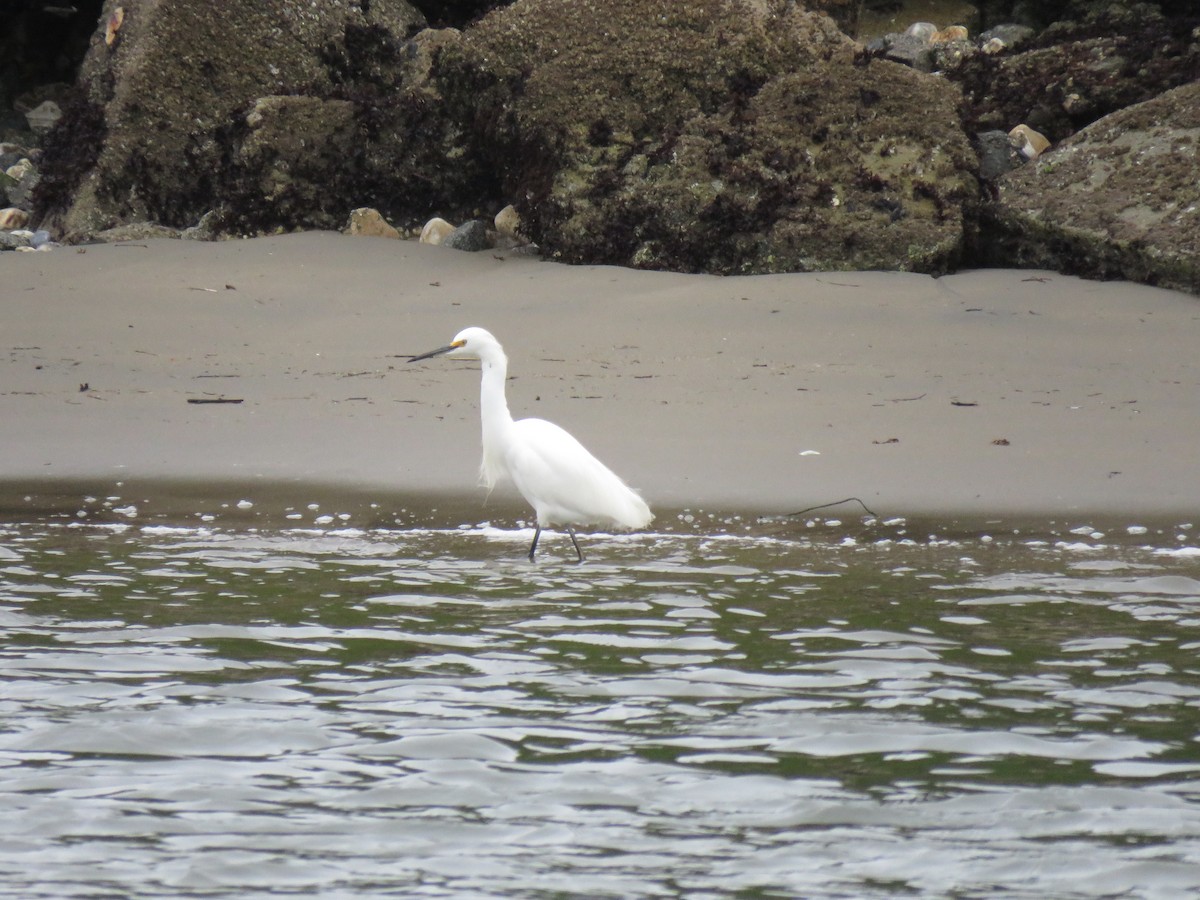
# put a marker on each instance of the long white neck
(493, 413)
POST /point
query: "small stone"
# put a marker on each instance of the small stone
(470, 236)
(923, 31)
(1031, 144)
(508, 221)
(21, 169)
(993, 46)
(953, 33)
(43, 117)
(996, 154)
(913, 51)
(1008, 34)
(436, 231)
(950, 55)
(370, 223)
(1076, 105)
(40, 239)
(12, 217)
(10, 155)
(204, 230)
(113, 26)
(11, 241)
(26, 176)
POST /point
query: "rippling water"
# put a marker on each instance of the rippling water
(239, 712)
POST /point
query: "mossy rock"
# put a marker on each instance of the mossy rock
(149, 137)
(1119, 199)
(717, 136)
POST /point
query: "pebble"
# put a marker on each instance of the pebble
(26, 176)
(923, 31)
(43, 117)
(204, 230)
(370, 223)
(953, 33)
(508, 221)
(435, 231)
(997, 154)
(470, 236)
(911, 50)
(12, 217)
(1031, 144)
(1009, 35)
(113, 26)
(13, 240)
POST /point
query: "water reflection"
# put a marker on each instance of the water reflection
(209, 712)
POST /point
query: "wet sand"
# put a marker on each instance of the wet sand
(982, 394)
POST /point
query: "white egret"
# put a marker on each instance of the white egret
(555, 473)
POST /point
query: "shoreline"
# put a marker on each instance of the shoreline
(980, 395)
(90, 506)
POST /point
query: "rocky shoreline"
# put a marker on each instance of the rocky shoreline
(725, 136)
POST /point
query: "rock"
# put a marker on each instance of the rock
(508, 222)
(1077, 72)
(1117, 200)
(11, 154)
(276, 175)
(914, 51)
(25, 178)
(1030, 144)
(43, 117)
(436, 231)
(40, 239)
(112, 26)
(11, 241)
(208, 228)
(1008, 35)
(368, 222)
(12, 217)
(922, 31)
(156, 132)
(947, 35)
(997, 154)
(724, 136)
(949, 55)
(471, 236)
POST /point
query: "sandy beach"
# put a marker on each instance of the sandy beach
(981, 394)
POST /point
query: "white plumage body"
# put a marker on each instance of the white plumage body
(560, 479)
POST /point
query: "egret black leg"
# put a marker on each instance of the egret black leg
(578, 552)
(537, 533)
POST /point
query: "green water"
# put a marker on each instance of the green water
(827, 711)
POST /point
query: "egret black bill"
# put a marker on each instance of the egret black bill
(438, 352)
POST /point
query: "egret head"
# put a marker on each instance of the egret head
(470, 343)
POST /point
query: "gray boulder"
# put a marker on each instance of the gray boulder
(1120, 199)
